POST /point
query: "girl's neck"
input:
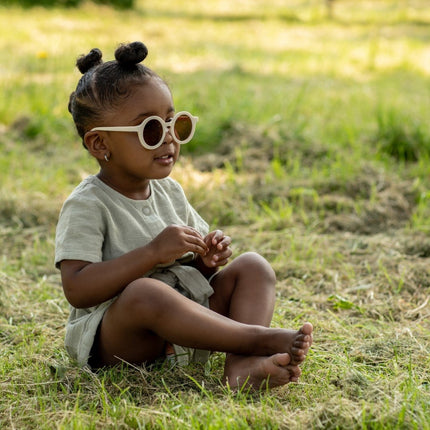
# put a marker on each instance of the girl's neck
(139, 192)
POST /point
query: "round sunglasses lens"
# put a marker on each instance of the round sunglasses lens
(153, 132)
(183, 127)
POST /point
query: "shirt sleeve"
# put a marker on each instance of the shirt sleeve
(80, 231)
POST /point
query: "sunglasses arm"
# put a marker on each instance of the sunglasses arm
(130, 128)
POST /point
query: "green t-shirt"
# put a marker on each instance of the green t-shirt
(97, 223)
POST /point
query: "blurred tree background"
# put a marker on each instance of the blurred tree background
(121, 4)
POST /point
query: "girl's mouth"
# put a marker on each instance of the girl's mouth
(164, 159)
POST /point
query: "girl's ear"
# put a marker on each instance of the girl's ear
(96, 145)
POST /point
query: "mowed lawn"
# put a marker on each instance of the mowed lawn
(312, 149)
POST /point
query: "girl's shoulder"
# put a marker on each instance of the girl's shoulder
(88, 188)
(92, 191)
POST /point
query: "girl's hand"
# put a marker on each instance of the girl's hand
(219, 250)
(175, 241)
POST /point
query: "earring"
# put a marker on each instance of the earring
(106, 158)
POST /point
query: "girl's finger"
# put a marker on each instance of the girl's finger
(225, 243)
(221, 262)
(193, 232)
(225, 255)
(198, 245)
(217, 237)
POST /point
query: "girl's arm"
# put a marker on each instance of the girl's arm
(88, 284)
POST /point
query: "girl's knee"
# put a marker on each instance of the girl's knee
(144, 296)
(257, 265)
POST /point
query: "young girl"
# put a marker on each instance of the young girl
(138, 265)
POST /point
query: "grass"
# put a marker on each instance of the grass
(312, 149)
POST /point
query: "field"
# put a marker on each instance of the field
(313, 148)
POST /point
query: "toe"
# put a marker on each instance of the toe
(281, 359)
(295, 373)
(307, 328)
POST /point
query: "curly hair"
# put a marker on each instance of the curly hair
(104, 85)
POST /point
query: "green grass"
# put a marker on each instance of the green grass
(312, 148)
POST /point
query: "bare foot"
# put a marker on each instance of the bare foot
(294, 342)
(301, 342)
(259, 372)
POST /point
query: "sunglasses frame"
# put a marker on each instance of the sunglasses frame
(165, 125)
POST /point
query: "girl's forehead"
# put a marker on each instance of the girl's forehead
(150, 98)
(153, 91)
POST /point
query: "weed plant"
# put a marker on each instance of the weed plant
(312, 148)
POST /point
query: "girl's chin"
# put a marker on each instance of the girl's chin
(162, 172)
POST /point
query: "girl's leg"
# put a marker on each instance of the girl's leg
(149, 312)
(245, 292)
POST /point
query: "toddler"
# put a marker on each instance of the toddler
(138, 264)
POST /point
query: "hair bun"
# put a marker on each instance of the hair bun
(87, 62)
(131, 54)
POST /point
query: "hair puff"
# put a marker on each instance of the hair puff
(131, 54)
(87, 62)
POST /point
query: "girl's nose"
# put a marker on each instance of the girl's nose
(169, 137)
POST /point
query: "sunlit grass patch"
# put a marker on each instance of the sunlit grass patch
(311, 148)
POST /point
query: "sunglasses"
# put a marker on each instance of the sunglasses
(153, 129)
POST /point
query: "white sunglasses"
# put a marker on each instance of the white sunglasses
(153, 129)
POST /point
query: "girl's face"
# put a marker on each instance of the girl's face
(129, 160)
